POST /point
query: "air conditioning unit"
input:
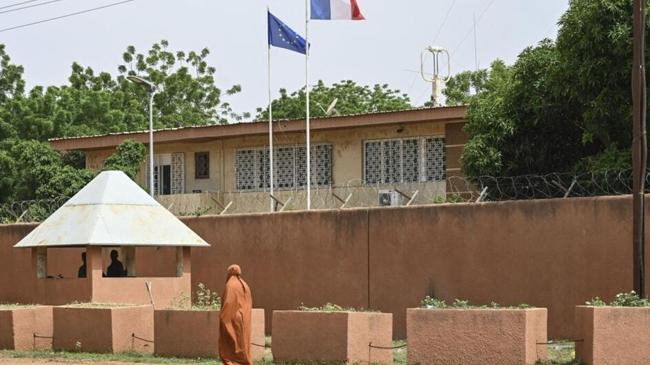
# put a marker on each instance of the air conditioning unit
(390, 198)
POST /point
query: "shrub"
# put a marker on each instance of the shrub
(434, 303)
(330, 307)
(206, 299)
(630, 299)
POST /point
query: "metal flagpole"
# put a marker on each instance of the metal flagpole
(271, 182)
(308, 136)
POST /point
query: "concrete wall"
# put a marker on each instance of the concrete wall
(550, 253)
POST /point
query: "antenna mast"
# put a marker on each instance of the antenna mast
(436, 80)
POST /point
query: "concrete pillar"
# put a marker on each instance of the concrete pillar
(39, 260)
(128, 254)
(183, 261)
(94, 263)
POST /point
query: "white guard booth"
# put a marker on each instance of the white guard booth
(111, 213)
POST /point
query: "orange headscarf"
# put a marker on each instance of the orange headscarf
(235, 320)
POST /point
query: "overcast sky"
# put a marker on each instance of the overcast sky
(383, 49)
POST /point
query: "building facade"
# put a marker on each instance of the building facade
(389, 158)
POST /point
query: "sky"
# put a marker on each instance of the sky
(384, 49)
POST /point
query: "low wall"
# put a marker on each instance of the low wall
(550, 253)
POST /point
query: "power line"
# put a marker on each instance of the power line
(29, 6)
(16, 4)
(477, 21)
(453, 3)
(65, 16)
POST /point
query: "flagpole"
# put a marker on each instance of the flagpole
(308, 134)
(271, 182)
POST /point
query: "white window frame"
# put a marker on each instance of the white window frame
(422, 168)
(296, 185)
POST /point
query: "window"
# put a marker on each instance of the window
(202, 165)
(168, 173)
(289, 170)
(408, 160)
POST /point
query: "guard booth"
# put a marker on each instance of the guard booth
(111, 212)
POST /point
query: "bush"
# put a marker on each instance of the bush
(127, 158)
(330, 307)
(434, 303)
(630, 299)
(206, 299)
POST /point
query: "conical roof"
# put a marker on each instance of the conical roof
(112, 210)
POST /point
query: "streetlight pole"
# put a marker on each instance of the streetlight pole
(151, 143)
(639, 147)
(151, 88)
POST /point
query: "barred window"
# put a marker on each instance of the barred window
(435, 159)
(407, 160)
(202, 165)
(321, 165)
(246, 173)
(290, 168)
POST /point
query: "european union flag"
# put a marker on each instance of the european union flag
(280, 35)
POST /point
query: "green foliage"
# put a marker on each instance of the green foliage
(461, 87)
(563, 106)
(199, 211)
(206, 299)
(352, 99)
(74, 158)
(448, 199)
(36, 171)
(596, 302)
(187, 94)
(128, 158)
(630, 299)
(95, 103)
(610, 159)
(488, 125)
(429, 302)
(433, 303)
(330, 307)
(78, 356)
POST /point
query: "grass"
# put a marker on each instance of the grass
(559, 353)
(92, 357)
(7, 306)
(98, 305)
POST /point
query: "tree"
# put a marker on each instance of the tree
(563, 106)
(187, 94)
(12, 86)
(461, 87)
(96, 103)
(352, 99)
(36, 171)
(488, 124)
(128, 158)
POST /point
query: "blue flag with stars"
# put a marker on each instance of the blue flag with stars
(280, 35)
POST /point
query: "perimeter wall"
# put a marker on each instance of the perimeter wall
(549, 253)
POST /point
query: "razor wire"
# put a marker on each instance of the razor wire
(28, 211)
(356, 194)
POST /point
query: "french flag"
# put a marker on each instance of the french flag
(335, 10)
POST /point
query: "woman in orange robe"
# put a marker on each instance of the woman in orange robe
(235, 320)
